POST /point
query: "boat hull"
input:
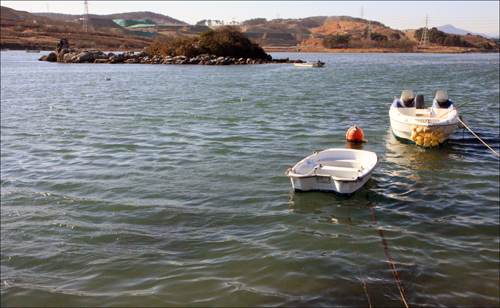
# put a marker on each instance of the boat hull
(341, 171)
(314, 64)
(338, 187)
(408, 124)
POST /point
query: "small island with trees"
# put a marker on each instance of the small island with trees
(225, 41)
(224, 46)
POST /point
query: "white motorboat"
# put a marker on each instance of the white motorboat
(427, 127)
(312, 64)
(342, 171)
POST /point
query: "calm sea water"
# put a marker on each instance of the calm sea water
(166, 186)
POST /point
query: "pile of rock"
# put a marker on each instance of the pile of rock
(72, 55)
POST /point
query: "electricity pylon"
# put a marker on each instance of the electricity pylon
(425, 36)
(86, 18)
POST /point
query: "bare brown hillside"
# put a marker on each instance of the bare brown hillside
(352, 28)
(357, 32)
(23, 30)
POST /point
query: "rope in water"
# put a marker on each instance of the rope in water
(391, 262)
(465, 125)
(477, 136)
(357, 261)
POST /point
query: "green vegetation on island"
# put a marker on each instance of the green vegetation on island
(223, 41)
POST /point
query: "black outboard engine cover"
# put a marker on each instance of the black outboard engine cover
(408, 102)
(419, 102)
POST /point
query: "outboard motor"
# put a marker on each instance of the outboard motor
(408, 97)
(419, 102)
(442, 100)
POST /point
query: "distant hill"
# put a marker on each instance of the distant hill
(23, 30)
(8, 14)
(450, 29)
(157, 18)
(308, 31)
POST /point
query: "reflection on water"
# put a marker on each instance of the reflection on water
(314, 202)
(410, 156)
(360, 213)
(354, 145)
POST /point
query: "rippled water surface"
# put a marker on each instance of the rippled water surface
(166, 186)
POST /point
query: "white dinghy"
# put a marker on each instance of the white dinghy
(342, 171)
(426, 127)
(312, 64)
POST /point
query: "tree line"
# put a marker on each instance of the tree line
(376, 40)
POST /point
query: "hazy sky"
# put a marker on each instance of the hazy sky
(475, 16)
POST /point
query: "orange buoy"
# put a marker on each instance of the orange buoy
(354, 134)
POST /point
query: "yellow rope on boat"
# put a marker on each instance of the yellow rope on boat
(477, 136)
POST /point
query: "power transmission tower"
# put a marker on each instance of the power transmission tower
(425, 35)
(86, 18)
(369, 26)
(369, 30)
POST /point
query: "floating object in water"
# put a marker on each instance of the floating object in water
(355, 134)
(409, 119)
(341, 171)
(313, 64)
(107, 78)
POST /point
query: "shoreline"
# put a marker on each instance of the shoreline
(309, 49)
(449, 50)
(305, 49)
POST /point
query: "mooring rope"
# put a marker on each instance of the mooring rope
(465, 125)
(357, 261)
(391, 262)
(477, 136)
(454, 109)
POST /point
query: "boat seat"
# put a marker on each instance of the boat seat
(339, 172)
(442, 100)
(419, 102)
(408, 97)
(338, 168)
